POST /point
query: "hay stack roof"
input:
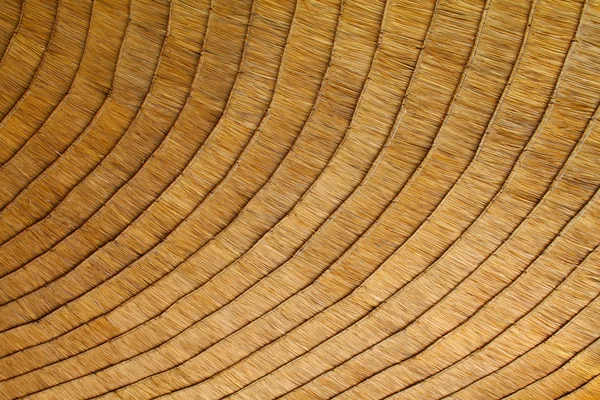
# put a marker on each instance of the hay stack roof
(313, 199)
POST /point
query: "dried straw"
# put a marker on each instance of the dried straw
(311, 199)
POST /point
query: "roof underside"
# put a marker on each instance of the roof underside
(269, 198)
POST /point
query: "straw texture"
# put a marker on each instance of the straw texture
(312, 199)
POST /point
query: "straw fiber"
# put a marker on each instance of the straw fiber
(311, 199)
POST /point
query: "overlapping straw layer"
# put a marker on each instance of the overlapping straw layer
(353, 199)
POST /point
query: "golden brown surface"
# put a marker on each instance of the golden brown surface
(358, 199)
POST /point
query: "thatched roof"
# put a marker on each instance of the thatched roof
(312, 199)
